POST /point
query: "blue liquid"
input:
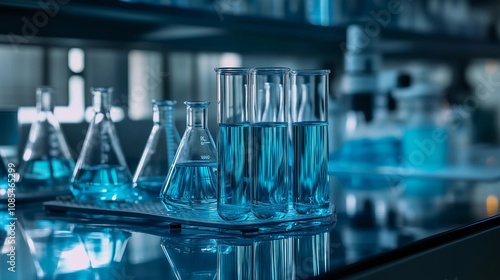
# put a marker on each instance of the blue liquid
(152, 183)
(311, 192)
(51, 172)
(192, 185)
(386, 151)
(270, 163)
(234, 202)
(423, 149)
(102, 182)
(149, 188)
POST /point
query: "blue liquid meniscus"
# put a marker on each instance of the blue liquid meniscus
(234, 201)
(192, 185)
(50, 172)
(102, 182)
(311, 192)
(270, 173)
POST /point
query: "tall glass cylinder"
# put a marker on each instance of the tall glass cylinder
(269, 90)
(309, 114)
(234, 166)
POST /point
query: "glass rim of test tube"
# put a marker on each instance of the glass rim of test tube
(310, 72)
(197, 104)
(270, 70)
(232, 70)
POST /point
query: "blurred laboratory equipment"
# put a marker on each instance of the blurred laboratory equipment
(269, 90)
(159, 152)
(309, 117)
(191, 183)
(425, 145)
(46, 158)
(234, 178)
(101, 172)
(370, 136)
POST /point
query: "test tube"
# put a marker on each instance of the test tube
(309, 114)
(234, 186)
(269, 90)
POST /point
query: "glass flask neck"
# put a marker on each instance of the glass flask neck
(163, 112)
(197, 114)
(102, 99)
(44, 99)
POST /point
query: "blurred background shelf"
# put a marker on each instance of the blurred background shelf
(129, 25)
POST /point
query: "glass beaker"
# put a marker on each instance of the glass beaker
(160, 149)
(269, 89)
(101, 172)
(192, 180)
(46, 158)
(309, 114)
(234, 180)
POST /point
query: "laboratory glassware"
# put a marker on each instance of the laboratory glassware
(269, 90)
(234, 166)
(160, 150)
(191, 183)
(46, 158)
(101, 172)
(309, 114)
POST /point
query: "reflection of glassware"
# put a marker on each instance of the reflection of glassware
(309, 113)
(46, 159)
(61, 250)
(234, 188)
(101, 172)
(235, 261)
(104, 246)
(275, 259)
(269, 113)
(192, 180)
(312, 255)
(191, 258)
(160, 149)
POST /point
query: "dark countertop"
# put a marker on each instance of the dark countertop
(51, 245)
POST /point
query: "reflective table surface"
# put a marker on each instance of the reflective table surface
(51, 245)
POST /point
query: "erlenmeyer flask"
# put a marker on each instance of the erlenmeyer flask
(160, 149)
(46, 159)
(192, 180)
(101, 172)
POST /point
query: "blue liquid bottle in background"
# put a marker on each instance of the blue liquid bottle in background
(269, 90)
(191, 183)
(101, 172)
(159, 152)
(46, 158)
(309, 113)
(234, 201)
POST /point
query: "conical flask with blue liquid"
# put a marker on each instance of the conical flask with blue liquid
(46, 158)
(101, 172)
(160, 150)
(192, 180)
